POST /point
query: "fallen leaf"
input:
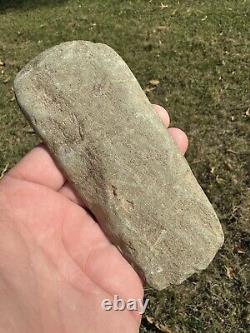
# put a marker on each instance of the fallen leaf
(151, 320)
(219, 180)
(148, 89)
(212, 170)
(163, 328)
(154, 82)
(232, 151)
(230, 272)
(229, 165)
(239, 248)
(162, 27)
(2, 63)
(163, 6)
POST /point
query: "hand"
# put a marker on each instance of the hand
(56, 265)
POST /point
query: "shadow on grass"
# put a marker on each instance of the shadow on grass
(27, 4)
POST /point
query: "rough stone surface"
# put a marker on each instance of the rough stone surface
(98, 124)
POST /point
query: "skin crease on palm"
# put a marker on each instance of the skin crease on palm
(56, 265)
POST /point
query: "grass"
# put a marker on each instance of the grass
(199, 52)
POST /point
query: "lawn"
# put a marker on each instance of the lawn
(199, 52)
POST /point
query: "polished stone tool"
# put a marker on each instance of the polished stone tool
(87, 106)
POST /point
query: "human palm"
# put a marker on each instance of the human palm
(56, 265)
